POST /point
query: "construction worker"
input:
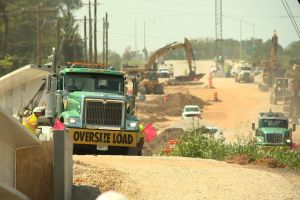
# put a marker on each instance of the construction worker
(31, 122)
(141, 143)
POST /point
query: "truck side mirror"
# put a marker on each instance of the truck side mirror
(294, 127)
(253, 126)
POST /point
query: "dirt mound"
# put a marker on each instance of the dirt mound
(153, 119)
(246, 159)
(239, 159)
(161, 141)
(270, 162)
(173, 106)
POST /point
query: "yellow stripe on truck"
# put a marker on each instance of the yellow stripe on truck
(103, 137)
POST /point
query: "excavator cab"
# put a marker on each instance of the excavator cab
(151, 83)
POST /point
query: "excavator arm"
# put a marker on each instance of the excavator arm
(187, 46)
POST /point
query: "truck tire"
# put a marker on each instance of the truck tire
(132, 151)
(159, 89)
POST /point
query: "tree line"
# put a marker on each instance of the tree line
(19, 39)
(19, 33)
(252, 51)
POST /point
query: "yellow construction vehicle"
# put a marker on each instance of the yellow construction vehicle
(271, 67)
(151, 83)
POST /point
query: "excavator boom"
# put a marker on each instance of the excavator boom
(187, 46)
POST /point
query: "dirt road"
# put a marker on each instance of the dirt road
(239, 103)
(185, 178)
(160, 178)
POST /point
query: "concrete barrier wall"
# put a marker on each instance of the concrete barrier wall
(7, 174)
(12, 136)
(63, 166)
(34, 171)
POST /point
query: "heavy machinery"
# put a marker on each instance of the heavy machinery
(273, 130)
(281, 91)
(91, 102)
(271, 68)
(294, 87)
(151, 82)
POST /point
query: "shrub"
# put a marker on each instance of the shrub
(196, 143)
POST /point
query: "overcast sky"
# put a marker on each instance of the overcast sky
(172, 20)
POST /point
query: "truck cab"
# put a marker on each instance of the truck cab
(244, 73)
(273, 130)
(92, 104)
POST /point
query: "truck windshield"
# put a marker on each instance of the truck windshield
(277, 123)
(246, 68)
(94, 83)
(192, 109)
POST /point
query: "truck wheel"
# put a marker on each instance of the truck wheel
(159, 89)
(132, 151)
(117, 150)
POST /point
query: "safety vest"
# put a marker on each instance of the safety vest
(30, 123)
(141, 130)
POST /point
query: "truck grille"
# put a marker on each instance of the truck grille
(246, 75)
(274, 138)
(99, 112)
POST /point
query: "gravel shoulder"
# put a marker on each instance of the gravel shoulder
(187, 178)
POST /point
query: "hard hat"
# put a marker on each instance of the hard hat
(37, 110)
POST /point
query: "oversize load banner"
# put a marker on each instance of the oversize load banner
(103, 137)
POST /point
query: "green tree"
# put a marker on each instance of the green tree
(18, 30)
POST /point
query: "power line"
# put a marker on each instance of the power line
(289, 12)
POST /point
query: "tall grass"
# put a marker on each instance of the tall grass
(196, 143)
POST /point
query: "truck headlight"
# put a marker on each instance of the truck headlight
(133, 124)
(260, 139)
(288, 141)
(71, 120)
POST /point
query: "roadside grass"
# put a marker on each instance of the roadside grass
(196, 143)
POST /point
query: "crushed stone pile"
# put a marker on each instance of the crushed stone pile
(173, 106)
(89, 182)
(161, 141)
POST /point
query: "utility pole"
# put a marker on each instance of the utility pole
(103, 51)
(57, 52)
(241, 39)
(90, 35)
(106, 39)
(95, 32)
(219, 35)
(39, 10)
(145, 49)
(144, 34)
(85, 41)
(135, 35)
(38, 36)
(73, 43)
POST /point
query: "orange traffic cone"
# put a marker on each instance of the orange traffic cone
(216, 96)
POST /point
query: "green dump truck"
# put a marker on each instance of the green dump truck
(93, 105)
(273, 130)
